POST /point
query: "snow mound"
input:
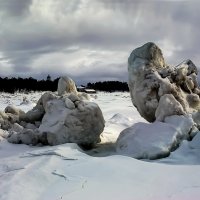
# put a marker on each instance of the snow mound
(121, 119)
(155, 140)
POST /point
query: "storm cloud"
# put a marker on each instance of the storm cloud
(90, 40)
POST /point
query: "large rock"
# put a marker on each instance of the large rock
(57, 119)
(37, 113)
(66, 85)
(150, 80)
(155, 140)
(76, 122)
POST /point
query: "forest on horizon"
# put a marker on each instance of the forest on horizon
(13, 84)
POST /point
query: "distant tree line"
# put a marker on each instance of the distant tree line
(109, 86)
(13, 84)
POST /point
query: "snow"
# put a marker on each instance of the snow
(67, 172)
(151, 141)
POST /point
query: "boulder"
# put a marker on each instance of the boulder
(37, 113)
(155, 86)
(14, 110)
(82, 123)
(68, 117)
(7, 119)
(66, 85)
(155, 140)
(168, 106)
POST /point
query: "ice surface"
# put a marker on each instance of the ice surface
(67, 172)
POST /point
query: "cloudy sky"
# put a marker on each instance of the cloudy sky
(90, 40)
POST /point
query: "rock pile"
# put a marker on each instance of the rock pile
(66, 117)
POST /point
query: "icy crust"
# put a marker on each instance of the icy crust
(158, 90)
(64, 172)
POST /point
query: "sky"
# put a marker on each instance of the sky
(91, 40)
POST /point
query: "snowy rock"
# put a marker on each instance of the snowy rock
(7, 119)
(168, 106)
(14, 137)
(183, 124)
(27, 136)
(67, 118)
(196, 118)
(14, 110)
(149, 141)
(17, 128)
(84, 96)
(195, 143)
(69, 104)
(73, 97)
(151, 79)
(33, 115)
(47, 96)
(37, 113)
(3, 133)
(30, 126)
(82, 126)
(66, 85)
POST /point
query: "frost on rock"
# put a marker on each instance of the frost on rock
(56, 119)
(151, 79)
(155, 140)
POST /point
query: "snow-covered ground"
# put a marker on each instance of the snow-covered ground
(67, 172)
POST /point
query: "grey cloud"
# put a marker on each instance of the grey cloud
(14, 8)
(101, 25)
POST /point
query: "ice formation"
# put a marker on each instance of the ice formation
(154, 140)
(166, 96)
(156, 87)
(56, 119)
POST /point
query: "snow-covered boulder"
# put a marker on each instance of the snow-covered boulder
(155, 140)
(82, 123)
(66, 85)
(3, 133)
(151, 79)
(27, 136)
(7, 119)
(37, 113)
(183, 123)
(168, 106)
(56, 119)
(14, 110)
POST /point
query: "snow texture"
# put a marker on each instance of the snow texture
(67, 172)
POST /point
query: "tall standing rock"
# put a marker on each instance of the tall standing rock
(150, 78)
